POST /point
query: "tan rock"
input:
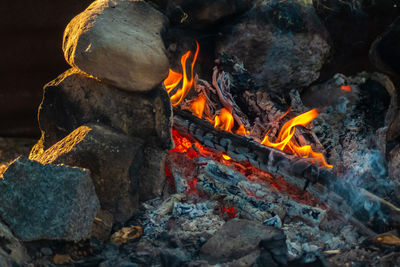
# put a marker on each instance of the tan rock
(119, 42)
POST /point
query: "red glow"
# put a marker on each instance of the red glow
(346, 88)
(192, 190)
(230, 211)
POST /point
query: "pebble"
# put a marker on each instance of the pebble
(46, 251)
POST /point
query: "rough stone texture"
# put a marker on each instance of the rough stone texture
(47, 201)
(282, 44)
(114, 160)
(74, 99)
(204, 13)
(237, 238)
(394, 163)
(152, 173)
(119, 42)
(384, 53)
(12, 251)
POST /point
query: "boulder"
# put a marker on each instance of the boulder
(282, 44)
(114, 160)
(74, 99)
(120, 43)
(204, 13)
(384, 52)
(238, 238)
(47, 201)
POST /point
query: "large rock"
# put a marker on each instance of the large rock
(75, 99)
(119, 42)
(282, 44)
(113, 159)
(236, 239)
(47, 201)
(385, 53)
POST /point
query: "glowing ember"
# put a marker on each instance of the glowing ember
(224, 120)
(346, 88)
(174, 78)
(192, 190)
(230, 211)
(285, 142)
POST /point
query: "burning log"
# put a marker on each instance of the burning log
(321, 182)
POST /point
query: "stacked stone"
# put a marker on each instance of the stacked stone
(109, 115)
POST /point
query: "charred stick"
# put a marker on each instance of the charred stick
(324, 184)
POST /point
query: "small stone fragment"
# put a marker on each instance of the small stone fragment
(127, 234)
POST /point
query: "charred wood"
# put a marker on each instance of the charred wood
(321, 182)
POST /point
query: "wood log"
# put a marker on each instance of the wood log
(321, 182)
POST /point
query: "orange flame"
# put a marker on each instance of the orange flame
(284, 139)
(224, 120)
(242, 131)
(198, 105)
(174, 78)
(226, 157)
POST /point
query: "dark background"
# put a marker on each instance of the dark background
(30, 56)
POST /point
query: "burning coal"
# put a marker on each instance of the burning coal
(178, 86)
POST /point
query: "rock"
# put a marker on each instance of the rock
(102, 225)
(12, 250)
(127, 234)
(173, 257)
(47, 201)
(350, 45)
(152, 173)
(282, 44)
(114, 160)
(204, 13)
(236, 239)
(394, 163)
(75, 99)
(46, 251)
(384, 52)
(119, 42)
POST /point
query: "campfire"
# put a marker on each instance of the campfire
(199, 133)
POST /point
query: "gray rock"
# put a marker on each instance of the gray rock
(236, 239)
(75, 99)
(47, 201)
(119, 42)
(114, 160)
(282, 44)
(12, 250)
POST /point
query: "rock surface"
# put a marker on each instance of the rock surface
(114, 160)
(237, 238)
(282, 44)
(74, 99)
(384, 53)
(47, 201)
(119, 42)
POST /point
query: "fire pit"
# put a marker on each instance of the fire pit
(194, 133)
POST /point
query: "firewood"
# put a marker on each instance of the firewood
(321, 182)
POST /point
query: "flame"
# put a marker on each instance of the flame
(198, 105)
(174, 78)
(284, 140)
(346, 88)
(224, 120)
(226, 157)
(242, 131)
